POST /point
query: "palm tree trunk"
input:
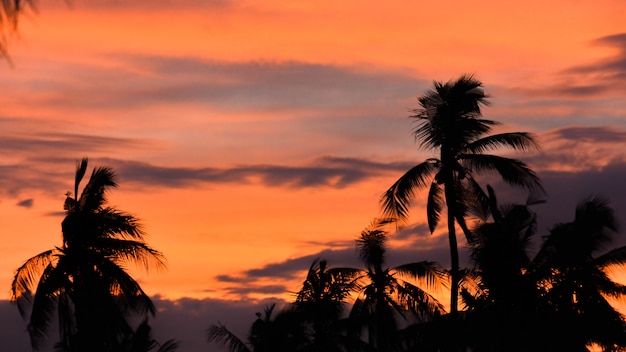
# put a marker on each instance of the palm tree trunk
(454, 270)
(454, 255)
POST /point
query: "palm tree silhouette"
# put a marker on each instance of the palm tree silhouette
(281, 332)
(85, 279)
(503, 298)
(450, 122)
(572, 267)
(321, 301)
(389, 293)
(142, 341)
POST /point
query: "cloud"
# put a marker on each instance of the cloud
(591, 134)
(323, 171)
(26, 203)
(579, 148)
(185, 320)
(153, 81)
(601, 79)
(254, 282)
(39, 172)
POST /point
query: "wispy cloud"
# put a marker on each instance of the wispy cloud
(26, 203)
(153, 81)
(599, 80)
(321, 172)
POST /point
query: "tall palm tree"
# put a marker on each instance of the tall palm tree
(572, 267)
(85, 278)
(389, 293)
(450, 122)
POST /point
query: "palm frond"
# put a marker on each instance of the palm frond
(44, 302)
(170, 345)
(434, 205)
(397, 199)
(123, 251)
(29, 273)
(371, 243)
(112, 222)
(94, 193)
(220, 335)
(594, 216)
(419, 301)
(81, 169)
(431, 273)
(512, 171)
(515, 140)
(128, 292)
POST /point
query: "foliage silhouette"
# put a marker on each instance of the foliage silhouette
(283, 332)
(557, 300)
(321, 302)
(387, 294)
(85, 279)
(502, 302)
(572, 268)
(450, 122)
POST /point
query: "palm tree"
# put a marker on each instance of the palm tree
(450, 122)
(85, 279)
(283, 332)
(572, 268)
(389, 293)
(142, 341)
(502, 299)
(321, 302)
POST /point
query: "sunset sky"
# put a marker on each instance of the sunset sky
(251, 137)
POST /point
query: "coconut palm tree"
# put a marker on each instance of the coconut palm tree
(450, 122)
(572, 267)
(85, 279)
(502, 299)
(281, 332)
(321, 302)
(142, 341)
(390, 293)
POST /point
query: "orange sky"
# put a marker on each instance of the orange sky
(243, 131)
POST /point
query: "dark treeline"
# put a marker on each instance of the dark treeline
(557, 298)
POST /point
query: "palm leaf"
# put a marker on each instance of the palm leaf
(29, 273)
(111, 222)
(512, 171)
(94, 193)
(419, 301)
(50, 285)
(396, 200)
(81, 169)
(430, 272)
(515, 140)
(434, 205)
(222, 336)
